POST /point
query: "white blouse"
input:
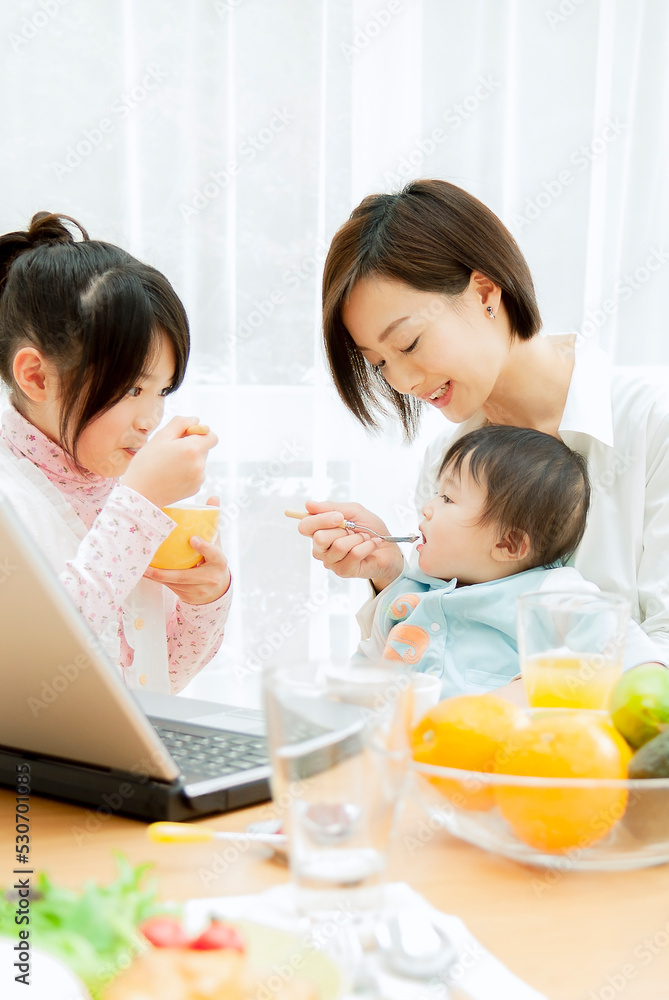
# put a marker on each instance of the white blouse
(618, 419)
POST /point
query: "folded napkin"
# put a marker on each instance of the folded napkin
(476, 972)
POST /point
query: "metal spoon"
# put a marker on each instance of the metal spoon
(328, 823)
(352, 526)
(413, 945)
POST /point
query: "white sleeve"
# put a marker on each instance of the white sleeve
(639, 648)
(372, 621)
(653, 564)
(373, 637)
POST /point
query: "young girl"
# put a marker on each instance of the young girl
(91, 342)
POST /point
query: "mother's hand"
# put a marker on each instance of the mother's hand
(351, 553)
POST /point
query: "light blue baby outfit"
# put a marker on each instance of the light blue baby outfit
(467, 635)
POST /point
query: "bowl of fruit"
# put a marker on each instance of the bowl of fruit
(563, 788)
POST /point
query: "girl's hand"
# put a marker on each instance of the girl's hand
(351, 553)
(205, 582)
(170, 466)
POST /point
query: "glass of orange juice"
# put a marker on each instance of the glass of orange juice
(571, 647)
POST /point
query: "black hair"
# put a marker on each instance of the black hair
(534, 484)
(431, 236)
(94, 311)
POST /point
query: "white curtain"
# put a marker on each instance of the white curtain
(224, 141)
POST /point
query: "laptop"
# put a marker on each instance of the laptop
(86, 737)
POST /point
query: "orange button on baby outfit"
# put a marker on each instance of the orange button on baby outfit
(143, 679)
(139, 623)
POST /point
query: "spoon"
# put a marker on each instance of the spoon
(414, 946)
(352, 526)
(328, 823)
(184, 833)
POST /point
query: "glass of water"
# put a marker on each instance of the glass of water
(338, 739)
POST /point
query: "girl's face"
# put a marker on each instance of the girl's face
(454, 543)
(108, 444)
(445, 351)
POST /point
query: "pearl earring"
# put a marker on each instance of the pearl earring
(490, 312)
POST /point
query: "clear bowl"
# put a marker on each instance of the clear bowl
(561, 823)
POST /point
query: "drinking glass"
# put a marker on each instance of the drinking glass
(571, 647)
(338, 740)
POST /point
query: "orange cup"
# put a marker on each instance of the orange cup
(176, 552)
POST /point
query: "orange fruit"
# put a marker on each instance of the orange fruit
(566, 743)
(468, 731)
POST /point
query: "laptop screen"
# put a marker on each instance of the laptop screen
(62, 695)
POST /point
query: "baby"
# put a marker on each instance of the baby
(510, 511)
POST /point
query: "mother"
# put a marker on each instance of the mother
(427, 300)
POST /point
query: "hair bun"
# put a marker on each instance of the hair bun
(45, 228)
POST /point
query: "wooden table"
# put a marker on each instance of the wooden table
(574, 936)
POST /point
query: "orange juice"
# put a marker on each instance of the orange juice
(570, 680)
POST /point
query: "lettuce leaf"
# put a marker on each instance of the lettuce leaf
(94, 931)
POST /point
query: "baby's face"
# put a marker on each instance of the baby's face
(454, 544)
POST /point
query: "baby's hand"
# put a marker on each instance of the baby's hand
(171, 465)
(203, 584)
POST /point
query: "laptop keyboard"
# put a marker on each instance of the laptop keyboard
(216, 754)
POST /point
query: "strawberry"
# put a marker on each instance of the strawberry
(218, 935)
(164, 932)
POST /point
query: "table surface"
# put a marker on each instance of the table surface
(571, 935)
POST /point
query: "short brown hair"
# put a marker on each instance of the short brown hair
(431, 236)
(534, 484)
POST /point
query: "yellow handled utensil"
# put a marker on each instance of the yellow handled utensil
(197, 429)
(184, 833)
(352, 526)
(299, 514)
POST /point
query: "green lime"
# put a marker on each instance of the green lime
(652, 760)
(640, 703)
(647, 815)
